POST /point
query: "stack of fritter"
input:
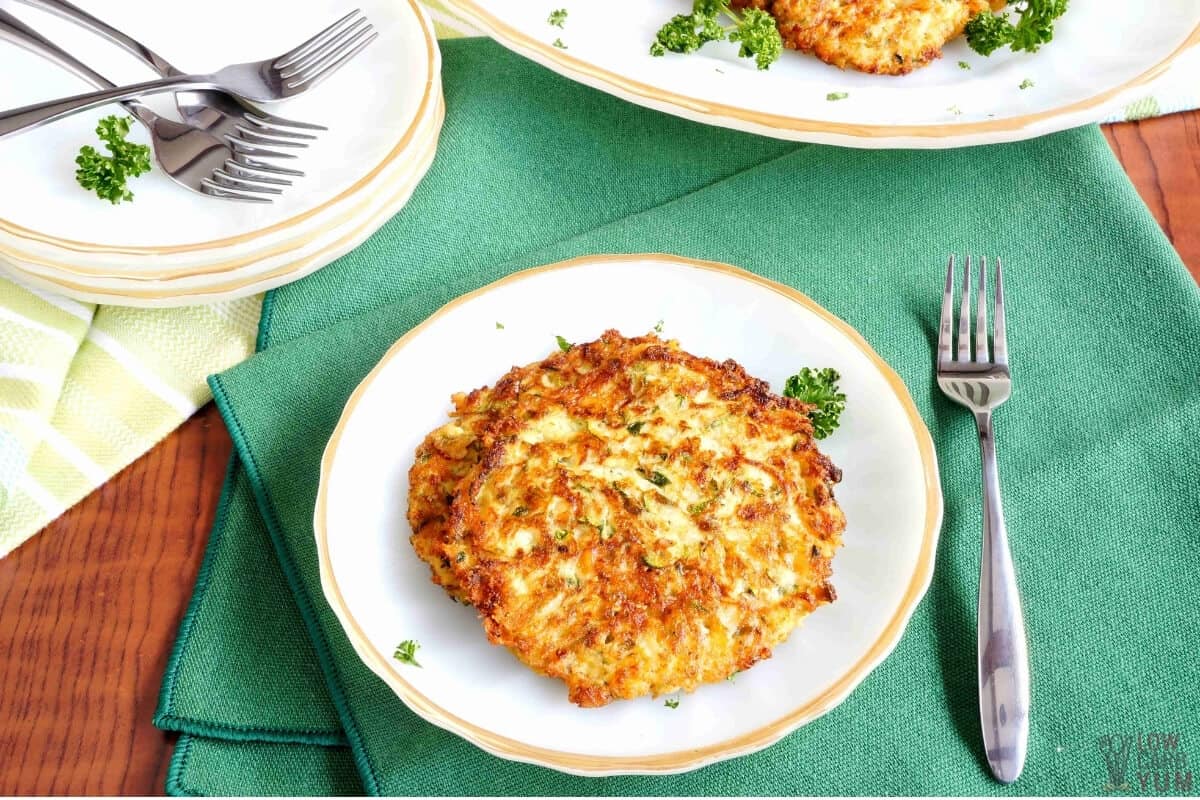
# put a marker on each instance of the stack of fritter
(628, 517)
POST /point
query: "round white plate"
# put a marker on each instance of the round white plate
(1099, 51)
(372, 107)
(382, 593)
(385, 199)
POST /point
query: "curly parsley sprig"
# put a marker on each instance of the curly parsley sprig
(752, 28)
(818, 388)
(1031, 28)
(107, 175)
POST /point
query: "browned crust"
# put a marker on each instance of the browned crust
(872, 36)
(597, 381)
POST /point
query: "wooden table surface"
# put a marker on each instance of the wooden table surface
(89, 607)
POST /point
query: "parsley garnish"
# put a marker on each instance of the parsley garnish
(1033, 27)
(563, 344)
(107, 175)
(753, 28)
(406, 652)
(818, 389)
(1025, 84)
(499, 326)
(561, 534)
(658, 326)
(557, 17)
(963, 65)
(671, 702)
(658, 479)
(635, 427)
(832, 96)
(559, 44)
(520, 511)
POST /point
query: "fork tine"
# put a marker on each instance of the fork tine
(227, 181)
(213, 190)
(260, 117)
(327, 69)
(251, 149)
(252, 124)
(318, 53)
(301, 50)
(331, 59)
(257, 136)
(999, 335)
(946, 329)
(981, 328)
(263, 167)
(964, 317)
(237, 170)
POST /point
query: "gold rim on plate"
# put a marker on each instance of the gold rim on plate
(406, 185)
(636, 91)
(432, 80)
(258, 282)
(664, 763)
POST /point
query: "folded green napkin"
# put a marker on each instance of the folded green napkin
(1102, 505)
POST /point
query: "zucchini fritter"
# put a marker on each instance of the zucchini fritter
(628, 517)
(888, 37)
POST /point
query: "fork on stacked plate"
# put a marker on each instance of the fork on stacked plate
(224, 146)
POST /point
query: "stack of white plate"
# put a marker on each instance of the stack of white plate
(170, 246)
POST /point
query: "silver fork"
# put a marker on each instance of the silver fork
(218, 113)
(982, 383)
(290, 74)
(228, 168)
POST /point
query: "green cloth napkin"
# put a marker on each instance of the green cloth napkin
(1098, 472)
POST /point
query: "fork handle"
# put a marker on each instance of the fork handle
(1002, 650)
(17, 120)
(80, 17)
(20, 34)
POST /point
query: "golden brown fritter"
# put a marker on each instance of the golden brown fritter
(888, 37)
(628, 517)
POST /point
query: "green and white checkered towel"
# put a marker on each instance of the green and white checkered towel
(85, 389)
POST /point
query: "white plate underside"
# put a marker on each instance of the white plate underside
(367, 105)
(1097, 48)
(388, 592)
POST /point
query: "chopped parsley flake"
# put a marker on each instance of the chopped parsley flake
(563, 344)
(520, 511)
(658, 479)
(963, 65)
(406, 652)
(499, 326)
(635, 427)
(671, 702)
(658, 326)
(559, 44)
(955, 110)
(1026, 84)
(837, 96)
(561, 533)
(557, 17)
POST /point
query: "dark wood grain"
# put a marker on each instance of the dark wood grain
(89, 607)
(88, 613)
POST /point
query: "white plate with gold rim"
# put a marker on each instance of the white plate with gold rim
(382, 594)
(382, 200)
(1100, 52)
(373, 107)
